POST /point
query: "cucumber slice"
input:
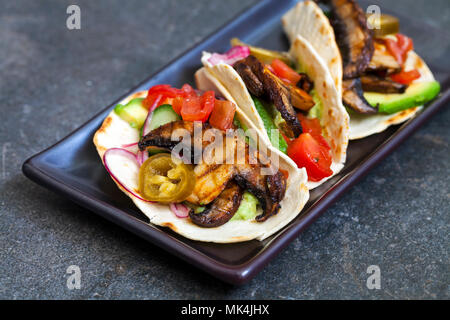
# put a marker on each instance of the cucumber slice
(277, 140)
(162, 115)
(133, 112)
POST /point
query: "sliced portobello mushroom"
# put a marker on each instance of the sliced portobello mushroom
(284, 97)
(221, 210)
(373, 83)
(353, 97)
(354, 38)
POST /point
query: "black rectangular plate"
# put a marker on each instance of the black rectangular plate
(72, 167)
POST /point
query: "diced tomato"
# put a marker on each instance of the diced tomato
(208, 102)
(177, 104)
(190, 108)
(406, 77)
(399, 49)
(283, 71)
(161, 92)
(404, 43)
(197, 108)
(188, 90)
(309, 154)
(313, 127)
(310, 125)
(222, 115)
(167, 101)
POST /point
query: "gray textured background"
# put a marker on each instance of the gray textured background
(53, 80)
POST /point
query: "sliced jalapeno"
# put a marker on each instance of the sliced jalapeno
(163, 179)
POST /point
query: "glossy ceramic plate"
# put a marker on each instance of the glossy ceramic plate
(73, 169)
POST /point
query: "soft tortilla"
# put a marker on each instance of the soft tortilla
(335, 120)
(115, 132)
(308, 20)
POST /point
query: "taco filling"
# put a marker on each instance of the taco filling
(194, 158)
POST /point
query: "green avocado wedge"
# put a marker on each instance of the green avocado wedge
(248, 207)
(417, 94)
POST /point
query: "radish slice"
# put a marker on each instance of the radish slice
(141, 156)
(180, 210)
(146, 127)
(231, 57)
(123, 167)
(131, 145)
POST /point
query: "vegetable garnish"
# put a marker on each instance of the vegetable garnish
(406, 77)
(192, 105)
(230, 57)
(180, 210)
(146, 128)
(222, 115)
(284, 72)
(399, 49)
(307, 152)
(197, 108)
(160, 94)
(165, 179)
(130, 145)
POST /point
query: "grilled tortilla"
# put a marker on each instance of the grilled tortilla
(115, 132)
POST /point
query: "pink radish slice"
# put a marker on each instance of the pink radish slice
(231, 57)
(180, 210)
(130, 145)
(116, 159)
(146, 127)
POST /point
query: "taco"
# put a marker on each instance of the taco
(155, 147)
(290, 94)
(381, 80)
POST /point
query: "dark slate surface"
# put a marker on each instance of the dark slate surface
(53, 80)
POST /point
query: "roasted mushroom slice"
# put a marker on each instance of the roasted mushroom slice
(172, 134)
(353, 97)
(221, 210)
(305, 83)
(373, 83)
(254, 85)
(353, 36)
(274, 89)
(281, 97)
(269, 190)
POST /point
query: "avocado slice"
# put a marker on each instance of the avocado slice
(248, 207)
(133, 112)
(417, 94)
